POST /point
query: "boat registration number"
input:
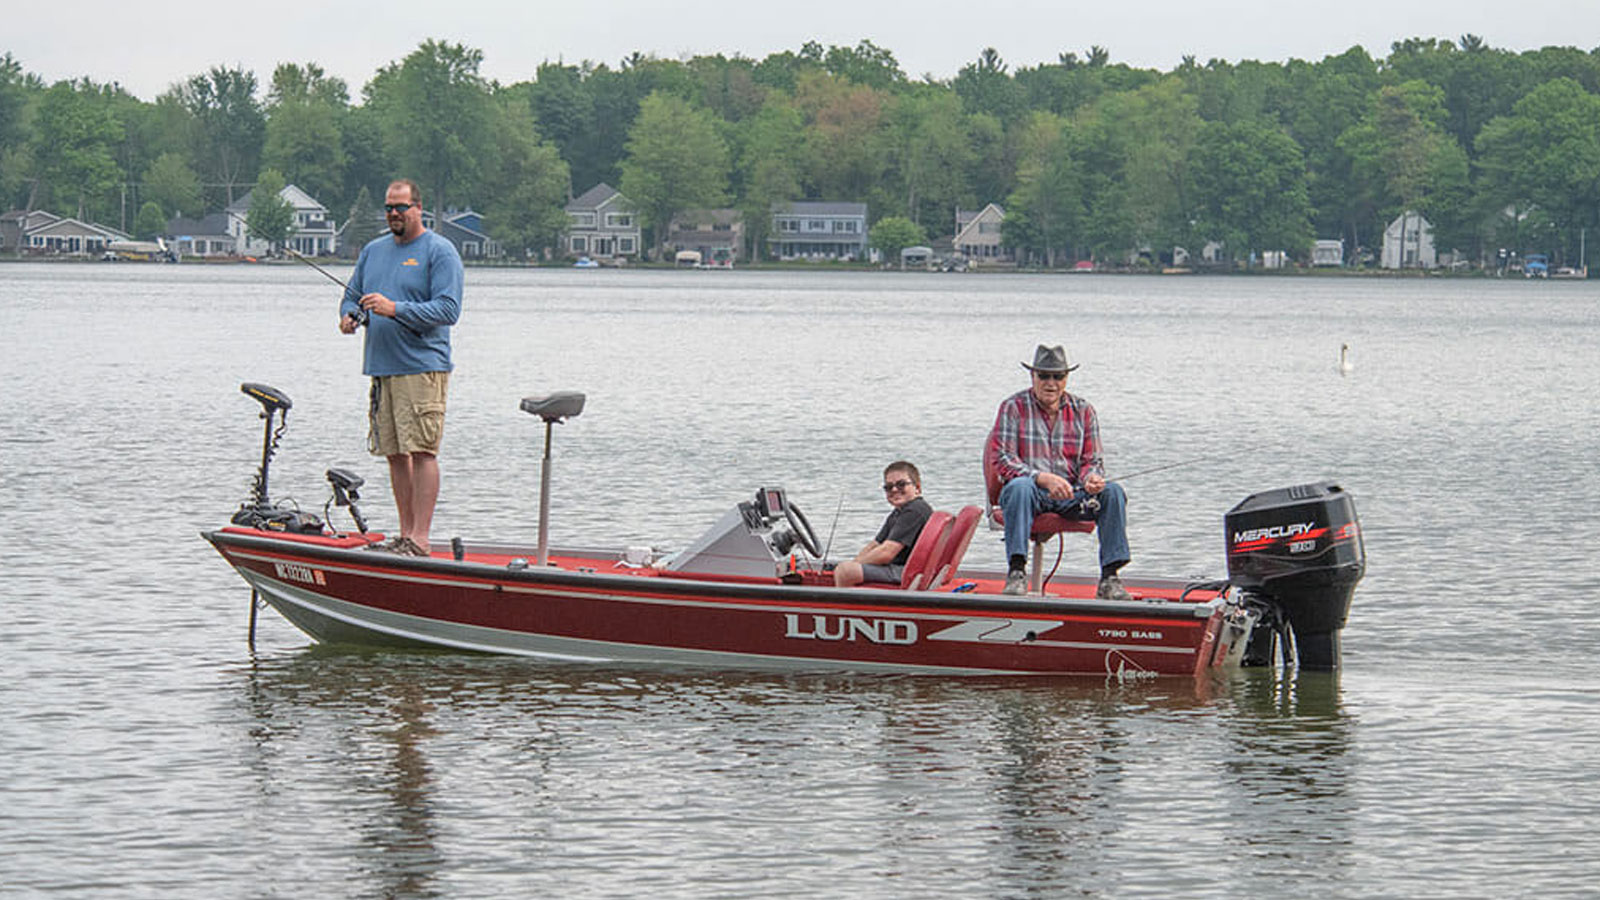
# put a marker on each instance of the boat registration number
(297, 572)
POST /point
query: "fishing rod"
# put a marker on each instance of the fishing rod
(361, 318)
(292, 252)
(1150, 471)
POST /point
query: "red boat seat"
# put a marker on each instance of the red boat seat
(1045, 525)
(961, 532)
(927, 553)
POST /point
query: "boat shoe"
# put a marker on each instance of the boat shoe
(408, 547)
(1111, 589)
(392, 545)
(1016, 583)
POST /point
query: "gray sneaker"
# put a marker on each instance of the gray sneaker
(1016, 583)
(1111, 589)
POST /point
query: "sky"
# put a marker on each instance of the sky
(147, 49)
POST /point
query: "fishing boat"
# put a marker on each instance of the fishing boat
(754, 591)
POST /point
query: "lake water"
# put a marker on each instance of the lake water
(145, 751)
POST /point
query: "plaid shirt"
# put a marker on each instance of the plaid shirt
(1027, 439)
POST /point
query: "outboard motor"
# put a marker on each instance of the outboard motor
(1298, 551)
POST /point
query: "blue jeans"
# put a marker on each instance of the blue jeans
(1021, 499)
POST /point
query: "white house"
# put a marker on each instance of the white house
(313, 233)
(1328, 253)
(978, 235)
(1408, 243)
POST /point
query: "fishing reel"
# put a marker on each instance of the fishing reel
(344, 484)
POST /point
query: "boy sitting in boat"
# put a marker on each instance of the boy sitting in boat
(883, 559)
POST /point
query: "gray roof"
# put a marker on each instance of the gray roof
(820, 208)
(213, 224)
(594, 197)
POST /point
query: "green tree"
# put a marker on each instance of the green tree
(1250, 188)
(436, 117)
(365, 220)
(767, 170)
(932, 153)
(1546, 155)
(985, 86)
(304, 140)
(844, 156)
(866, 63)
(891, 234)
(1045, 210)
(271, 218)
(230, 125)
(305, 144)
(170, 183)
(75, 137)
(151, 222)
(676, 161)
(527, 185)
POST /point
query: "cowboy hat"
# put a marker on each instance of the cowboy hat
(1049, 359)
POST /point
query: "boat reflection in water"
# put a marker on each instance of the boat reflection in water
(459, 766)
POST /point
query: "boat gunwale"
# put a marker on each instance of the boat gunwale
(721, 590)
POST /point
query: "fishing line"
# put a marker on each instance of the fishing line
(836, 513)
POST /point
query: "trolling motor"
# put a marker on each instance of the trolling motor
(258, 511)
(1297, 555)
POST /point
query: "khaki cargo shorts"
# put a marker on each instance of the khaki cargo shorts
(406, 414)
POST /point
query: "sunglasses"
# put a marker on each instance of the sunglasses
(892, 486)
(398, 207)
(1051, 376)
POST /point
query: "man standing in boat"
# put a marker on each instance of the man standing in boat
(1045, 446)
(883, 559)
(407, 291)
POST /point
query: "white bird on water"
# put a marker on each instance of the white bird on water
(1345, 366)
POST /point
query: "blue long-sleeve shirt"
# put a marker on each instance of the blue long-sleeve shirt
(423, 277)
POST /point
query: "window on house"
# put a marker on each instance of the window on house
(586, 218)
(625, 245)
(816, 224)
(619, 220)
(580, 244)
(721, 227)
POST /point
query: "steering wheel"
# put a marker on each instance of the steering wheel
(802, 529)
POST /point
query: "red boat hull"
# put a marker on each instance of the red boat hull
(586, 607)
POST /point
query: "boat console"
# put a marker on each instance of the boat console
(752, 540)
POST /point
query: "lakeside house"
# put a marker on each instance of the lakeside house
(978, 236)
(312, 234)
(463, 228)
(818, 230)
(715, 234)
(1408, 243)
(41, 233)
(207, 237)
(605, 225)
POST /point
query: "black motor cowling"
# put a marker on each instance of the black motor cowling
(1299, 549)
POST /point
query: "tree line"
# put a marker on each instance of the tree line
(1090, 159)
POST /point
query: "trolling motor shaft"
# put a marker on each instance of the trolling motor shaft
(273, 403)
